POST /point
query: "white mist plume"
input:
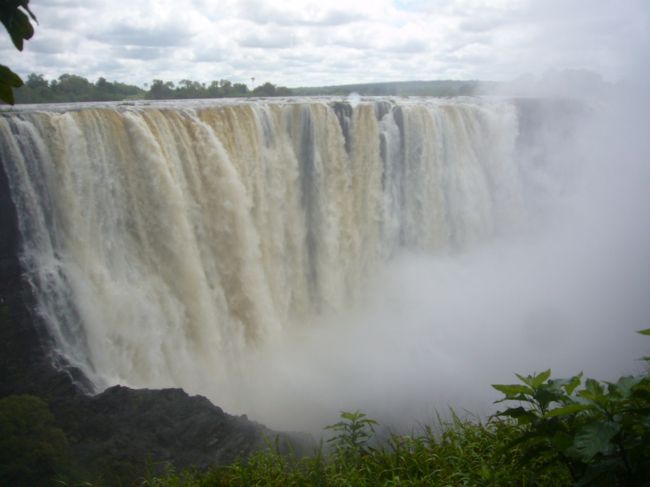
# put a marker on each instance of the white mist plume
(436, 331)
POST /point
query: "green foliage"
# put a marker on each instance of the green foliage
(167, 90)
(73, 88)
(33, 450)
(352, 434)
(463, 452)
(8, 81)
(14, 15)
(269, 89)
(598, 431)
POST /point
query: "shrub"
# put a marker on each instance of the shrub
(598, 431)
(33, 450)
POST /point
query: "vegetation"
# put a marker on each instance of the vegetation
(459, 452)
(563, 432)
(73, 88)
(33, 450)
(599, 432)
(14, 15)
(161, 90)
(558, 432)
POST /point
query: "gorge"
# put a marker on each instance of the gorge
(200, 244)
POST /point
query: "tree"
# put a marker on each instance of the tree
(160, 90)
(74, 84)
(103, 84)
(267, 89)
(239, 89)
(33, 449)
(14, 15)
(36, 81)
(73, 88)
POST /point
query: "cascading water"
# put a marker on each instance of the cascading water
(164, 240)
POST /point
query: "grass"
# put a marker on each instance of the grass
(461, 451)
(560, 432)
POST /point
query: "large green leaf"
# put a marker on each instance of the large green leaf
(539, 379)
(8, 77)
(644, 332)
(512, 389)
(8, 80)
(562, 441)
(548, 393)
(535, 380)
(567, 410)
(523, 416)
(594, 392)
(624, 387)
(25, 4)
(573, 382)
(594, 438)
(16, 21)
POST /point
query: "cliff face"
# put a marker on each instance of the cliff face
(24, 364)
(117, 433)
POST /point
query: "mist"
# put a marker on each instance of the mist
(434, 331)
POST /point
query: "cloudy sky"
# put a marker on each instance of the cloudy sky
(319, 42)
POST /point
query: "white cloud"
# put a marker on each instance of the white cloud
(160, 35)
(309, 42)
(297, 13)
(269, 39)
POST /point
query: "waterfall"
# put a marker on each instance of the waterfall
(165, 239)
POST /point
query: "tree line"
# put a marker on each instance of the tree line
(160, 90)
(73, 88)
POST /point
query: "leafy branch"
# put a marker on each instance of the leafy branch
(598, 430)
(15, 15)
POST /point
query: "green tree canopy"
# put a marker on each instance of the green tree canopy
(33, 449)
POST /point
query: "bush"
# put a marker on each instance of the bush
(598, 431)
(33, 450)
(465, 452)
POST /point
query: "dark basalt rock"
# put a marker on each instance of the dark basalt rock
(166, 425)
(122, 431)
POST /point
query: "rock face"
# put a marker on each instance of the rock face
(168, 425)
(117, 433)
(22, 341)
(120, 432)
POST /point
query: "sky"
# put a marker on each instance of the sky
(316, 42)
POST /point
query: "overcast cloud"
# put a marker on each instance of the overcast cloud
(312, 42)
